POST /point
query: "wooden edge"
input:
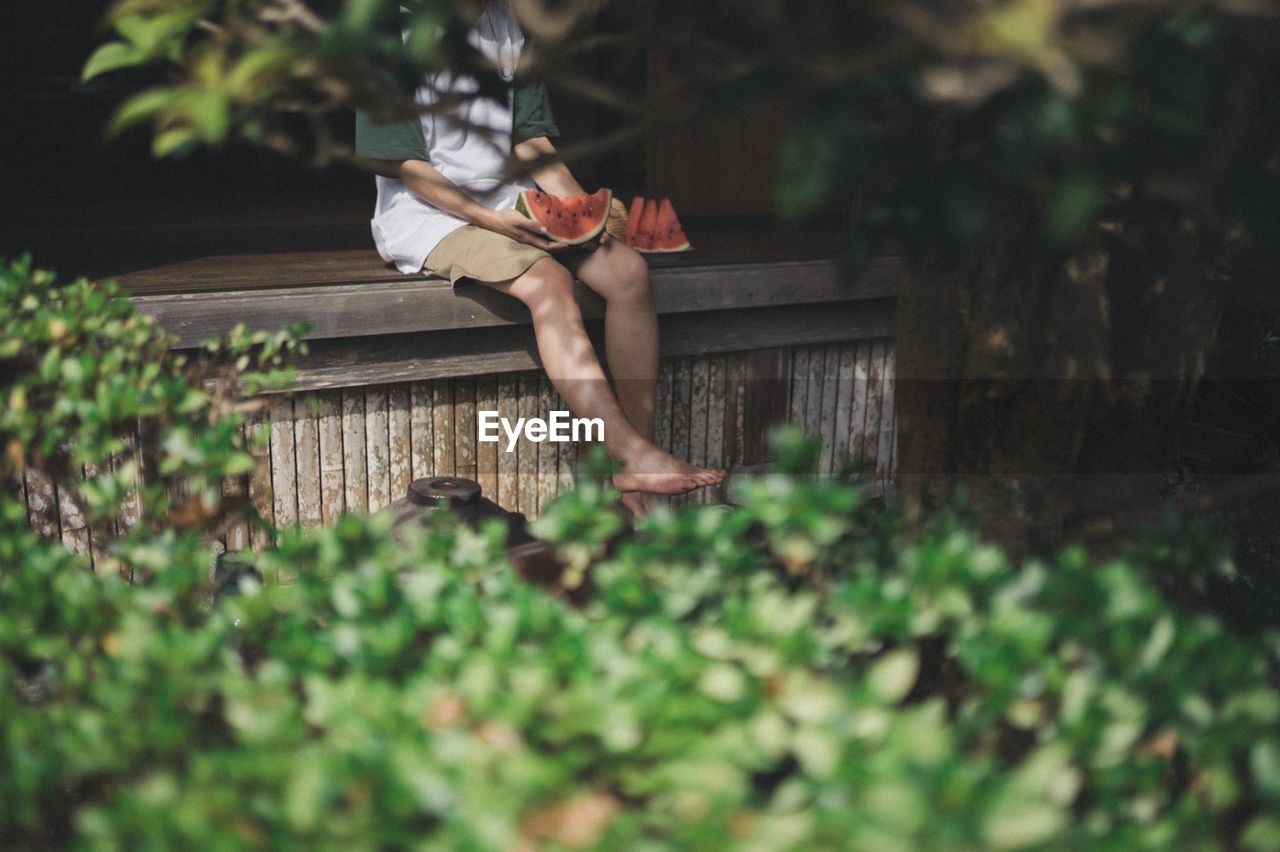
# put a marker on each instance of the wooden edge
(420, 305)
(360, 362)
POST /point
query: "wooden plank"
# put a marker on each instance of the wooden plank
(377, 448)
(875, 399)
(767, 401)
(717, 402)
(830, 399)
(527, 458)
(257, 442)
(568, 455)
(75, 529)
(734, 412)
(442, 427)
(306, 444)
(858, 416)
(548, 453)
(283, 269)
(235, 491)
(284, 471)
(893, 458)
(662, 404)
(508, 493)
(400, 439)
(347, 307)
(816, 387)
(332, 477)
(464, 428)
(42, 504)
(699, 405)
(682, 415)
(884, 450)
(799, 386)
(844, 403)
(422, 431)
(359, 362)
(355, 469)
(486, 453)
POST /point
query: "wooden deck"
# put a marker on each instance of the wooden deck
(400, 365)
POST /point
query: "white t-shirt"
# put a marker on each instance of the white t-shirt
(469, 143)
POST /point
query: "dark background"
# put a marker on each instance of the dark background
(84, 204)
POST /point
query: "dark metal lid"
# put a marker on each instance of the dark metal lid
(435, 490)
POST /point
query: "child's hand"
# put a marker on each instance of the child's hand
(522, 229)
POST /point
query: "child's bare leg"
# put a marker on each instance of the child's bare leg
(572, 366)
(621, 276)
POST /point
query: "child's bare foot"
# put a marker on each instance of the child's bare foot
(656, 472)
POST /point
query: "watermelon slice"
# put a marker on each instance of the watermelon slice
(648, 225)
(633, 220)
(573, 219)
(655, 228)
(668, 234)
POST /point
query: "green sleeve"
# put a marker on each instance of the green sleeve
(532, 113)
(395, 140)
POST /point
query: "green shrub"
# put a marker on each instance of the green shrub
(94, 403)
(794, 673)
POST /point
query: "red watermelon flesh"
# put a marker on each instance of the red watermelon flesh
(654, 227)
(633, 219)
(648, 224)
(668, 234)
(573, 219)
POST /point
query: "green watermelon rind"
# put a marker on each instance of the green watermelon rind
(523, 208)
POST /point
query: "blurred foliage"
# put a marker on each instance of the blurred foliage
(790, 674)
(946, 119)
(94, 405)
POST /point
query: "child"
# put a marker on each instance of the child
(445, 209)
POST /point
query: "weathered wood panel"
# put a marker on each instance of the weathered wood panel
(306, 442)
(377, 446)
(350, 298)
(548, 453)
(260, 480)
(858, 417)
(355, 470)
(463, 353)
(327, 452)
(399, 439)
(888, 422)
(508, 390)
(332, 478)
(528, 453)
(486, 452)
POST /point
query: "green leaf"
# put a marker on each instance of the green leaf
(109, 57)
(1262, 835)
(894, 674)
(139, 108)
(175, 140)
(1264, 761)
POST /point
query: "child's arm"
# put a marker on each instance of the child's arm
(438, 191)
(553, 177)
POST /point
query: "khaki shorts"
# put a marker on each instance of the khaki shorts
(478, 254)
